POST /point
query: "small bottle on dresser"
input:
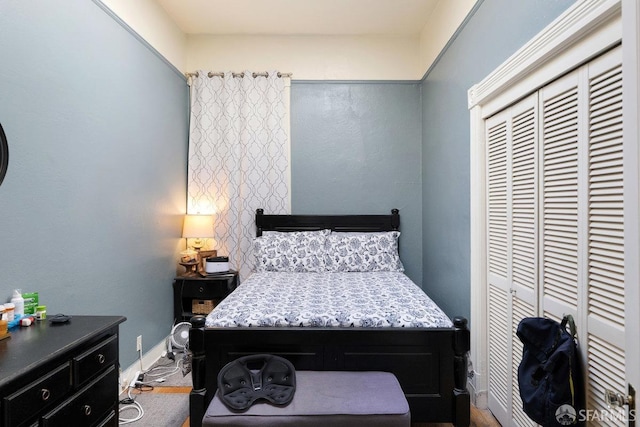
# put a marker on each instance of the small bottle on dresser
(10, 310)
(41, 312)
(18, 302)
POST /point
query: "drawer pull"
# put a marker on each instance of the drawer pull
(100, 358)
(45, 394)
(87, 410)
(201, 289)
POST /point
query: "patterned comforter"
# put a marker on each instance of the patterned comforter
(353, 299)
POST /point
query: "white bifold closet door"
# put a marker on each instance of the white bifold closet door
(556, 228)
(512, 141)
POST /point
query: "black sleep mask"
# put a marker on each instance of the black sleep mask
(261, 376)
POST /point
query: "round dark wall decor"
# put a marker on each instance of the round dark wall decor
(4, 154)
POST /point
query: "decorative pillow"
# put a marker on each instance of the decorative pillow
(296, 251)
(363, 252)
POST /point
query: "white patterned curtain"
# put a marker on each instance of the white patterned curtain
(238, 157)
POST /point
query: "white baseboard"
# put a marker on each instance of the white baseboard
(479, 398)
(148, 359)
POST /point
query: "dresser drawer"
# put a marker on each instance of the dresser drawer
(37, 397)
(89, 406)
(110, 421)
(94, 360)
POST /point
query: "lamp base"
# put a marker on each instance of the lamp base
(190, 271)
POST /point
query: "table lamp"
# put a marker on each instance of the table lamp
(197, 227)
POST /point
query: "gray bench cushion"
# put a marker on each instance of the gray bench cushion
(327, 398)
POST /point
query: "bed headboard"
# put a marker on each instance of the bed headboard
(362, 223)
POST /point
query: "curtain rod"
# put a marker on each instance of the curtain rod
(221, 74)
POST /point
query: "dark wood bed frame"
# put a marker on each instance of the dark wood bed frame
(430, 363)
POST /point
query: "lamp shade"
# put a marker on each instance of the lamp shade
(196, 226)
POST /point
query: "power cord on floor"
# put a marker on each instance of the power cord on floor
(130, 403)
(162, 371)
(165, 370)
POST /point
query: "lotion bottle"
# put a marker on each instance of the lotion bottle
(18, 301)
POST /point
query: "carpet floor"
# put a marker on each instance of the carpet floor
(163, 398)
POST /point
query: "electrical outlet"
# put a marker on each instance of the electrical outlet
(139, 343)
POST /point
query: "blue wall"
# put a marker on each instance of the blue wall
(496, 30)
(355, 148)
(91, 207)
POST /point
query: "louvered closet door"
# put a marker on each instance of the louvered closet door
(556, 229)
(582, 248)
(561, 133)
(605, 272)
(512, 249)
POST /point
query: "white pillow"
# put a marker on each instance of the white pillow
(363, 252)
(295, 251)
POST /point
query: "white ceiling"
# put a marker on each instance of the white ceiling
(300, 17)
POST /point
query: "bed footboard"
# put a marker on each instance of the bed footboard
(430, 364)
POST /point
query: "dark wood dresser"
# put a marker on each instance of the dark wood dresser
(61, 374)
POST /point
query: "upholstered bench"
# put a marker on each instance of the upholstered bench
(353, 399)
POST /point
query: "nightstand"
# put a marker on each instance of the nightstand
(199, 295)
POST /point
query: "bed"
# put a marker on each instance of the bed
(425, 350)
